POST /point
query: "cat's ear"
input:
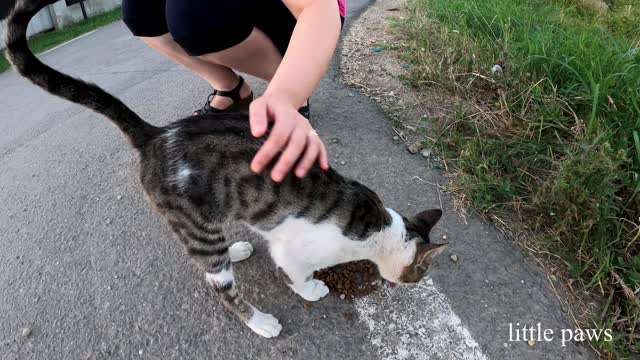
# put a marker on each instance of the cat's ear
(426, 252)
(424, 222)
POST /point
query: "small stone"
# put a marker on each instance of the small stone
(324, 316)
(342, 296)
(119, 197)
(108, 221)
(26, 332)
(414, 148)
(531, 343)
(342, 163)
(522, 281)
(454, 258)
(396, 138)
(444, 237)
(505, 345)
(426, 153)
(140, 352)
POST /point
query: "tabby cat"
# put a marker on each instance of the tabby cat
(195, 173)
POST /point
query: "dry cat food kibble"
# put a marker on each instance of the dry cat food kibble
(353, 279)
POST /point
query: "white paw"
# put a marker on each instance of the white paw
(313, 290)
(264, 324)
(240, 250)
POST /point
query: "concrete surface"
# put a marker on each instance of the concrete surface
(95, 275)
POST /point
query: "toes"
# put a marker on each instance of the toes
(321, 289)
(265, 325)
(240, 250)
(314, 290)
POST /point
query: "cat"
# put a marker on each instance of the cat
(195, 173)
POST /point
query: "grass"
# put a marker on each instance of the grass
(48, 40)
(551, 141)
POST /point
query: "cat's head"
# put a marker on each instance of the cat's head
(408, 252)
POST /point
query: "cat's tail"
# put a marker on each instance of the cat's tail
(136, 130)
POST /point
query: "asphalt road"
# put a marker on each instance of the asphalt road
(95, 275)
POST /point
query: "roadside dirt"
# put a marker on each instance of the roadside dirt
(370, 64)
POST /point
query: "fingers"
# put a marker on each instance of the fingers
(296, 145)
(310, 156)
(289, 129)
(258, 117)
(324, 157)
(276, 141)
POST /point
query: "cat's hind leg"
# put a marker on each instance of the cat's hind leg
(224, 284)
(211, 252)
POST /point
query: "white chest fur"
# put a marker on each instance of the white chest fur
(315, 245)
(303, 247)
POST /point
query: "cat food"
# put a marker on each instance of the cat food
(353, 279)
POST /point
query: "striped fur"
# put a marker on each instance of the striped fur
(195, 173)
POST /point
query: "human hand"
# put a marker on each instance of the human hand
(290, 129)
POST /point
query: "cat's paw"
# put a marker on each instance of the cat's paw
(264, 324)
(313, 290)
(240, 250)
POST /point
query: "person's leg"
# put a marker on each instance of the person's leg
(147, 21)
(232, 33)
(256, 55)
(220, 77)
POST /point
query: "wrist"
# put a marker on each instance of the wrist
(285, 96)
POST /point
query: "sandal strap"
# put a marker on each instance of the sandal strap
(305, 110)
(234, 93)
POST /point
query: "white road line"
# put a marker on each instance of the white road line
(416, 322)
(68, 42)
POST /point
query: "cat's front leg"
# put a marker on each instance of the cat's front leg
(301, 281)
(295, 271)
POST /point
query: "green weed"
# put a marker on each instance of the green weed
(554, 137)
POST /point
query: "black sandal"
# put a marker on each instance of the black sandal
(305, 110)
(239, 104)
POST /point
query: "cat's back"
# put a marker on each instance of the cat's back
(191, 153)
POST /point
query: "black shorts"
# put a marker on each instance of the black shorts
(207, 26)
